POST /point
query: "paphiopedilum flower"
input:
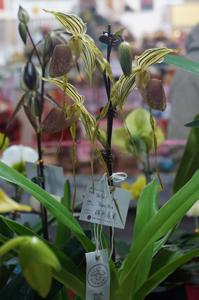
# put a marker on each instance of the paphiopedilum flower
(139, 132)
(17, 155)
(8, 205)
(136, 187)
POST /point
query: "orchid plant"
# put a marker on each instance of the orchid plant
(51, 269)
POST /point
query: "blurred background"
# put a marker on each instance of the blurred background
(147, 23)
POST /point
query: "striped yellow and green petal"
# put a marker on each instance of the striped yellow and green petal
(88, 56)
(73, 24)
(68, 89)
(122, 88)
(152, 56)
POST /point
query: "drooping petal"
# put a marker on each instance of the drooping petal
(138, 122)
(8, 205)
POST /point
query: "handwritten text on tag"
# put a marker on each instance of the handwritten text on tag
(100, 206)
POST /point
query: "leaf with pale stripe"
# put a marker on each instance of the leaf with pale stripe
(73, 24)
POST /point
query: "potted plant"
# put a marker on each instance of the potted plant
(52, 268)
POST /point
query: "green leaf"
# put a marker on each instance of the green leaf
(158, 226)
(189, 162)
(146, 207)
(73, 24)
(170, 261)
(194, 123)
(62, 233)
(183, 63)
(56, 209)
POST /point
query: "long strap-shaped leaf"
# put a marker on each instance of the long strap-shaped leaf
(175, 261)
(146, 209)
(183, 63)
(56, 208)
(73, 24)
(167, 217)
(189, 162)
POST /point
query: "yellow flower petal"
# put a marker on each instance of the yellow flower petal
(136, 187)
(9, 205)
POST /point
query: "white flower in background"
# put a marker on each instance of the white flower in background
(194, 210)
(17, 154)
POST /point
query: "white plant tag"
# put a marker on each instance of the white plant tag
(105, 208)
(97, 276)
(54, 178)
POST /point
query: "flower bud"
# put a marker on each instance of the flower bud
(126, 58)
(23, 32)
(23, 15)
(30, 76)
(32, 108)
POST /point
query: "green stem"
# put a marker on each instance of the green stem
(34, 46)
(10, 245)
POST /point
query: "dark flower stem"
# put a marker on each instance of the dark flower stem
(40, 165)
(110, 116)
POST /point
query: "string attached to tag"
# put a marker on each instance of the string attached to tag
(97, 230)
(116, 178)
